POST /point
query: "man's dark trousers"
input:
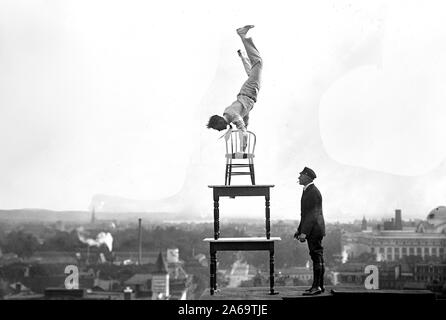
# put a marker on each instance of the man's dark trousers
(317, 256)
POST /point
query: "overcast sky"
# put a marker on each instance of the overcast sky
(112, 97)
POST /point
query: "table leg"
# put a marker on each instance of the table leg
(213, 270)
(216, 217)
(271, 270)
(267, 217)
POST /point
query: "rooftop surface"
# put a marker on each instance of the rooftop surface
(332, 293)
(258, 293)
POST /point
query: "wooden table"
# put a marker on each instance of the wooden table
(239, 191)
(240, 244)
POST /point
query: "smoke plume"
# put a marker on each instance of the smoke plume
(102, 238)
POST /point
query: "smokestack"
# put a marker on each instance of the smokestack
(93, 217)
(139, 242)
(398, 220)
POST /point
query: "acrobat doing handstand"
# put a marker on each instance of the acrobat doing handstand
(238, 112)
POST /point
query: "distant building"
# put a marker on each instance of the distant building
(201, 258)
(9, 258)
(350, 274)
(290, 276)
(156, 279)
(162, 280)
(80, 294)
(302, 274)
(18, 291)
(393, 275)
(100, 224)
(131, 257)
(394, 242)
(394, 223)
(429, 272)
(435, 222)
(19, 288)
(53, 257)
(363, 224)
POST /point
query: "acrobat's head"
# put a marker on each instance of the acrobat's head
(217, 122)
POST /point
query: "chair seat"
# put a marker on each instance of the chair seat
(239, 155)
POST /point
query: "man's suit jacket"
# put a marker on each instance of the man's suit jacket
(312, 222)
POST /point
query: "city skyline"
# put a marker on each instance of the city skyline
(52, 216)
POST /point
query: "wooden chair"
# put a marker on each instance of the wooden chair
(234, 150)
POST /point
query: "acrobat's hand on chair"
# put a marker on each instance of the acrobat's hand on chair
(245, 142)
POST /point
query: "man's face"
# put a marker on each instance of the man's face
(304, 179)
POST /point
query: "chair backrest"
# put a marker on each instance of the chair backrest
(235, 143)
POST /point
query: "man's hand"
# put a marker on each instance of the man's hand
(300, 236)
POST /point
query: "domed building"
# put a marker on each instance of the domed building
(428, 239)
(435, 221)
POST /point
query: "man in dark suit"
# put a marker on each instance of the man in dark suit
(312, 228)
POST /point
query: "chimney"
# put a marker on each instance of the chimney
(93, 216)
(139, 242)
(398, 220)
(128, 293)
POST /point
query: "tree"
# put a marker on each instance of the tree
(21, 243)
(412, 260)
(63, 241)
(365, 257)
(332, 245)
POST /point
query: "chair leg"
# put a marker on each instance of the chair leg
(226, 172)
(230, 172)
(251, 170)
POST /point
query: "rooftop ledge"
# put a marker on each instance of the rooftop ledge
(242, 186)
(332, 293)
(247, 239)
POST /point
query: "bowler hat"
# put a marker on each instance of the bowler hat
(307, 171)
